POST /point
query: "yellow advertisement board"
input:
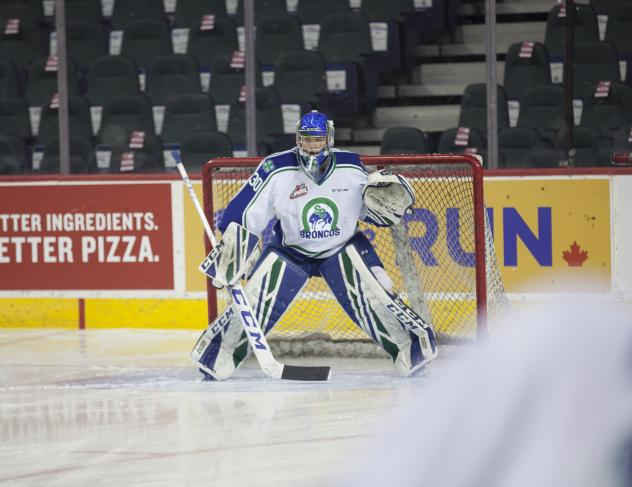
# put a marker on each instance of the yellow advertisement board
(552, 235)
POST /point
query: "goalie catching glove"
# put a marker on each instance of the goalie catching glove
(387, 197)
(233, 257)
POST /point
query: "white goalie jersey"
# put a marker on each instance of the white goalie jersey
(315, 219)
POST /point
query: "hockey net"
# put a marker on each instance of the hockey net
(441, 258)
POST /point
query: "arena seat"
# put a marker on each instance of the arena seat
(594, 61)
(300, 77)
(23, 46)
(404, 140)
(473, 111)
(189, 13)
(145, 159)
(124, 114)
(86, 40)
(227, 79)
(10, 80)
(587, 143)
(82, 156)
(26, 10)
(125, 12)
(345, 38)
(542, 109)
(586, 29)
(277, 35)
(172, 75)
(83, 10)
(14, 118)
(207, 45)
(514, 143)
(13, 155)
(146, 40)
(79, 121)
(185, 114)
(607, 113)
(619, 29)
(199, 147)
(263, 9)
(269, 119)
(525, 68)
(315, 11)
(42, 82)
(110, 76)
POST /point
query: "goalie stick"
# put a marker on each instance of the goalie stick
(243, 310)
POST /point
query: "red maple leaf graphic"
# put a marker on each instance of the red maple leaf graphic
(576, 257)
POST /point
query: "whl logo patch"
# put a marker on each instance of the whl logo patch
(299, 190)
(320, 219)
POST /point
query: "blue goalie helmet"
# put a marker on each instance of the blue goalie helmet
(314, 143)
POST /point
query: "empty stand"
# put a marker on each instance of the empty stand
(269, 119)
(607, 107)
(473, 112)
(228, 78)
(404, 140)
(587, 144)
(300, 77)
(124, 114)
(199, 147)
(42, 81)
(461, 140)
(82, 156)
(619, 29)
(111, 76)
(83, 10)
(86, 41)
(514, 144)
(172, 75)
(277, 35)
(26, 10)
(315, 11)
(14, 118)
(586, 28)
(146, 40)
(126, 12)
(526, 65)
(190, 12)
(594, 61)
(346, 38)
(10, 80)
(263, 9)
(143, 155)
(186, 114)
(542, 109)
(79, 122)
(206, 45)
(13, 155)
(544, 158)
(23, 44)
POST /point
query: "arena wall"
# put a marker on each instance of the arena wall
(109, 251)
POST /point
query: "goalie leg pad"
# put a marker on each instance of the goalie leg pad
(391, 324)
(275, 282)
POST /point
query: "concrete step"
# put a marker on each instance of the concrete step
(506, 32)
(513, 7)
(454, 73)
(429, 118)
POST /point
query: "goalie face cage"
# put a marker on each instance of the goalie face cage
(441, 258)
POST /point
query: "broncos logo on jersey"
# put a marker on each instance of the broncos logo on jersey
(320, 219)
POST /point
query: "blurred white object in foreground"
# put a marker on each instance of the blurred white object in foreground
(547, 402)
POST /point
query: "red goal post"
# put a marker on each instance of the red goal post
(443, 252)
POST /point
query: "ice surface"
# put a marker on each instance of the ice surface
(126, 407)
